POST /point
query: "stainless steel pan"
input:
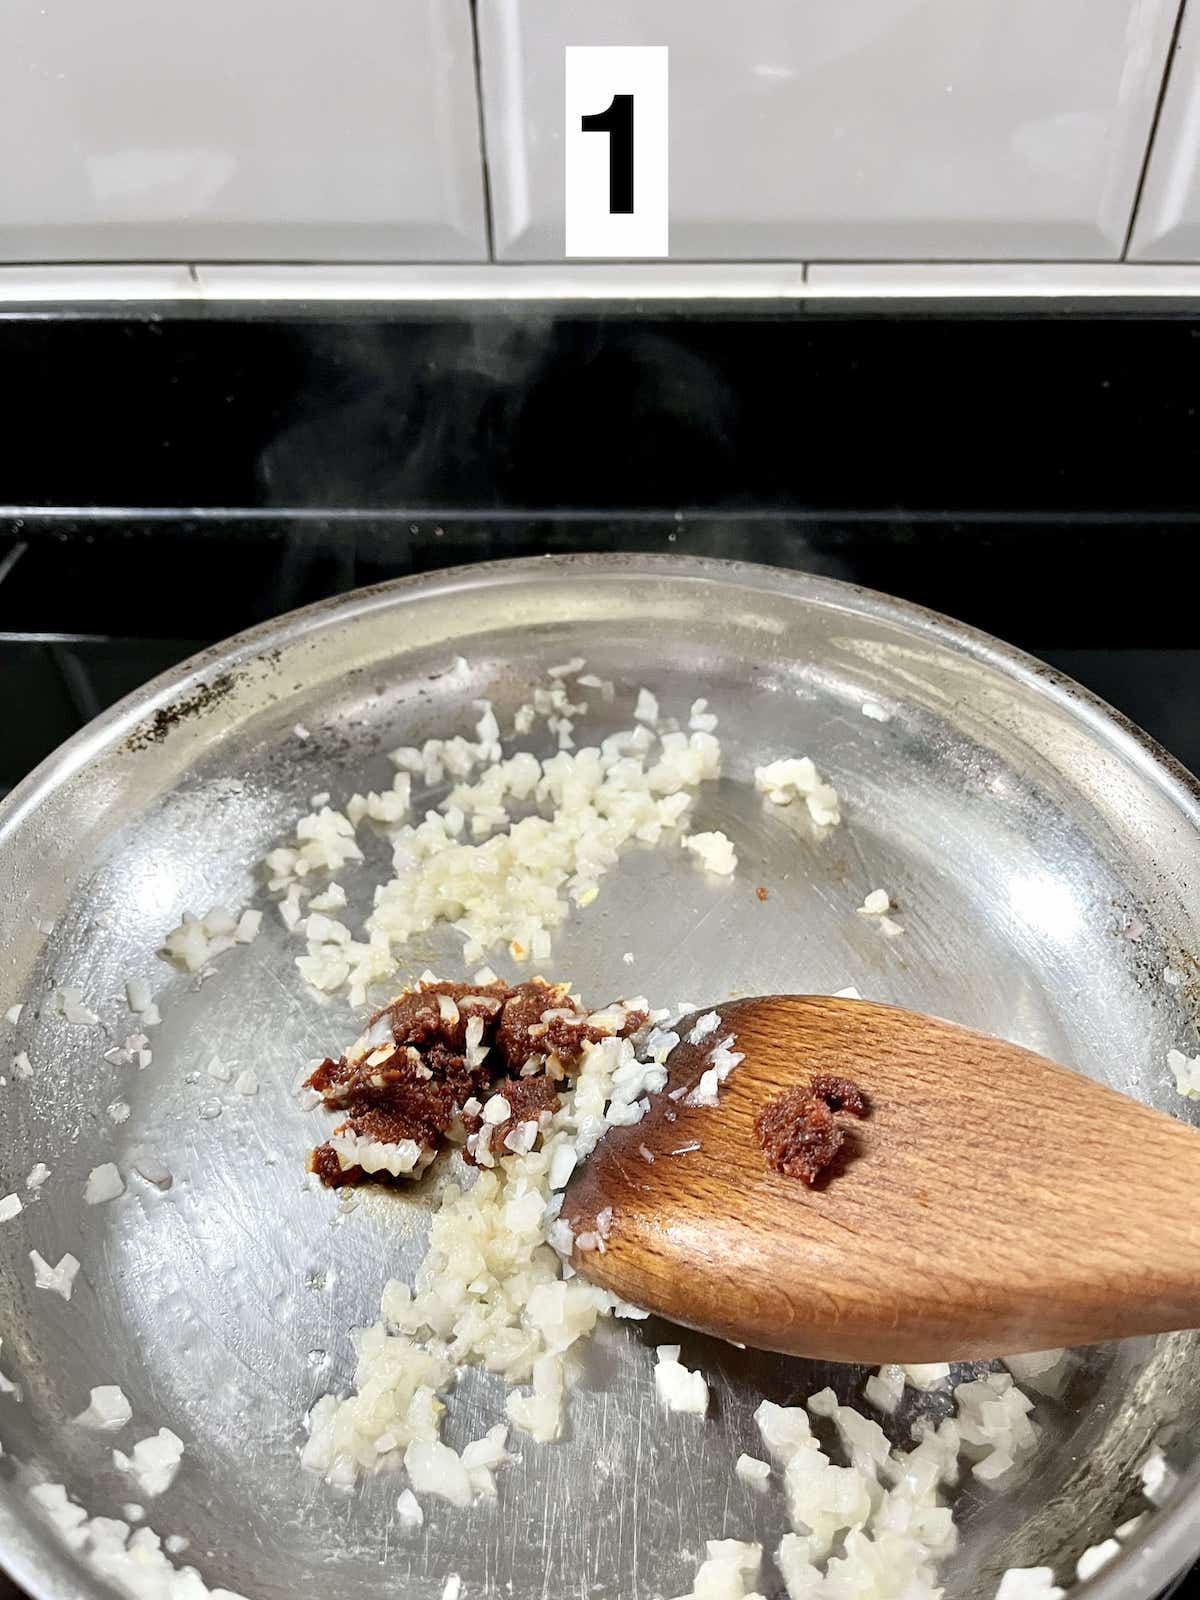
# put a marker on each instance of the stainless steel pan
(1045, 858)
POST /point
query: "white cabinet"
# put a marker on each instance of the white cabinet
(336, 130)
(1168, 219)
(849, 129)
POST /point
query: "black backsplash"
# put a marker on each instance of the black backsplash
(166, 480)
(833, 411)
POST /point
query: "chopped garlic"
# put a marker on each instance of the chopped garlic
(1029, 1583)
(59, 1279)
(927, 1374)
(885, 1388)
(434, 1468)
(108, 1409)
(679, 1389)
(876, 903)
(796, 778)
(1043, 1370)
(104, 1183)
(753, 1472)
(408, 1510)
(137, 996)
(714, 851)
(513, 884)
(703, 1026)
(646, 709)
(728, 1571)
(1187, 1073)
(153, 1462)
(70, 1002)
(1095, 1557)
(1158, 1479)
(701, 719)
(197, 940)
(496, 1109)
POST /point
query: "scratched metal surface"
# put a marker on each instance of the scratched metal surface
(1043, 860)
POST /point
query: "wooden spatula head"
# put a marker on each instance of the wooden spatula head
(991, 1202)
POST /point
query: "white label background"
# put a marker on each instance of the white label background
(593, 74)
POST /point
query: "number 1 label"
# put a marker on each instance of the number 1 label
(616, 150)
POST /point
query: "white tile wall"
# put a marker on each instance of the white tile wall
(1168, 220)
(850, 129)
(1006, 280)
(338, 130)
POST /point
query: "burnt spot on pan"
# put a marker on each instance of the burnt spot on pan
(198, 703)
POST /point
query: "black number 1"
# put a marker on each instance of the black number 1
(617, 121)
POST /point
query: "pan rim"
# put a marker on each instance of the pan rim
(28, 1553)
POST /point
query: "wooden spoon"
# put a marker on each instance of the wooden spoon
(991, 1202)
